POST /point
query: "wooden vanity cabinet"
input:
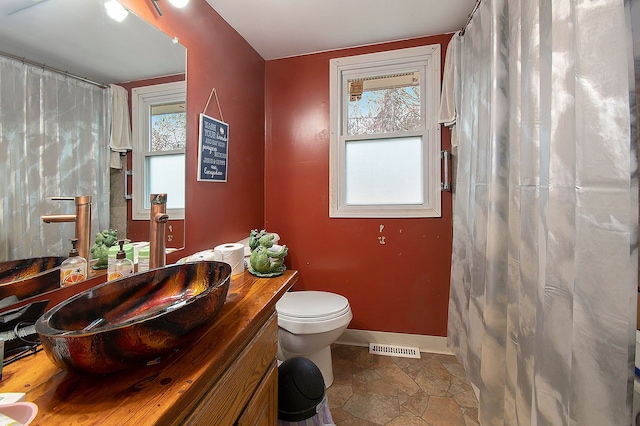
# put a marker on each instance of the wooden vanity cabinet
(247, 392)
(226, 376)
(262, 409)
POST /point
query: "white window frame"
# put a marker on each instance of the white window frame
(426, 59)
(142, 98)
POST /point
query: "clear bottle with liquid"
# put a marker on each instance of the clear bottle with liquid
(143, 259)
(74, 268)
(121, 267)
(114, 249)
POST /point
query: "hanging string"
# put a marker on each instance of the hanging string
(473, 11)
(214, 92)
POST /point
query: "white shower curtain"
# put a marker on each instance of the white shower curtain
(54, 141)
(544, 266)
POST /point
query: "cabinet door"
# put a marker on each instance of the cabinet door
(262, 408)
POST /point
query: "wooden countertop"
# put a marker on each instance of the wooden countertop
(159, 393)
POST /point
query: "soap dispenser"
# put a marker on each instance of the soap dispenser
(121, 267)
(74, 268)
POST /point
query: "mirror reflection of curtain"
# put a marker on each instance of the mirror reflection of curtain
(544, 266)
(54, 142)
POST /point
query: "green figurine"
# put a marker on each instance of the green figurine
(100, 249)
(264, 262)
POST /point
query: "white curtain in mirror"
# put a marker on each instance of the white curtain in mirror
(54, 142)
(544, 265)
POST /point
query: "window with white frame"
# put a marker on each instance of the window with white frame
(385, 136)
(159, 140)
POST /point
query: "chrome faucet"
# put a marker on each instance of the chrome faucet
(82, 218)
(159, 218)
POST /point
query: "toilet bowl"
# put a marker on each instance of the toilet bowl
(308, 323)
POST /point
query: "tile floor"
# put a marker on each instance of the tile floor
(381, 390)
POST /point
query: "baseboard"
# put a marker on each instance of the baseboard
(432, 344)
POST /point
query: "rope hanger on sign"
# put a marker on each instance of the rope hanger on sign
(213, 91)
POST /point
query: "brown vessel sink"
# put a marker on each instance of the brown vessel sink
(133, 320)
(29, 277)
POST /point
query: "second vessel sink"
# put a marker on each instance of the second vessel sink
(28, 277)
(133, 320)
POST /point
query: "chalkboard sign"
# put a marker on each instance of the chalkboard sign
(213, 150)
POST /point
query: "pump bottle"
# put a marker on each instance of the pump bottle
(74, 268)
(121, 267)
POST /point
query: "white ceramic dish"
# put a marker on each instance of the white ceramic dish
(23, 412)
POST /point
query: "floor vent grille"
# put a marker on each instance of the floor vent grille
(390, 350)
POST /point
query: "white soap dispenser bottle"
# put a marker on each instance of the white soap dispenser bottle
(74, 268)
(121, 267)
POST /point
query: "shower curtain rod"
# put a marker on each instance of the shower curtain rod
(52, 69)
(473, 11)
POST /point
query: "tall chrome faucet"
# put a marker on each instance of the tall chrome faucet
(159, 218)
(82, 218)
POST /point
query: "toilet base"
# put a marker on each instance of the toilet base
(322, 359)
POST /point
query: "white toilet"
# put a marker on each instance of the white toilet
(308, 323)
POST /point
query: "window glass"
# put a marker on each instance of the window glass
(165, 175)
(168, 127)
(384, 104)
(384, 171)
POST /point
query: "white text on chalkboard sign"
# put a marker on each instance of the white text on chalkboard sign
(213, 150)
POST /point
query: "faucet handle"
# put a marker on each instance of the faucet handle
(158, 198)
(80, 200)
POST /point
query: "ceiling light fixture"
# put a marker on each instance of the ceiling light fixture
(176, 3)
(179, 3)
(115, 10)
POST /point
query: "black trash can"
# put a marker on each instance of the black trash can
(301, 392)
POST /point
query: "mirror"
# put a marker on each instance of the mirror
(635, 31)
(78, 38)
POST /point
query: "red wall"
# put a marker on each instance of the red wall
(217, 57)
(279, 180)
(400, 286)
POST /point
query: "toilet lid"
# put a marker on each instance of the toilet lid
(312, 305)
